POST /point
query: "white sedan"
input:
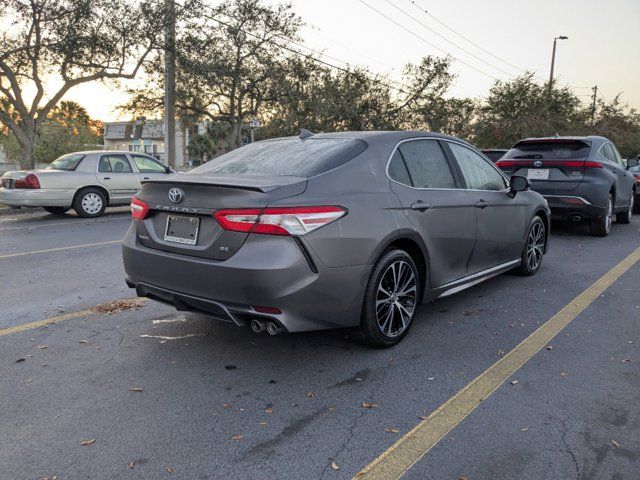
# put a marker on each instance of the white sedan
(88, 182)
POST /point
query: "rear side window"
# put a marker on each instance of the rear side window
(550, 150)
(286, 156)
(114, 164)
(478, 173)
(398, 170)
(426, 164)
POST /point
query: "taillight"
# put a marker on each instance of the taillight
(506, 163)
(30, 181)
(139, 209)
(279, 220)
(550, 163)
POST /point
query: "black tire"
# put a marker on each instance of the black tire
(56, 210)
(534, 247)
(601, 227)
(90, 202)
(398, 310)
(625, 217)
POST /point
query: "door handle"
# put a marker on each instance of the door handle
(145, 178)
(106, 178)
(420, 206)
(482, 204)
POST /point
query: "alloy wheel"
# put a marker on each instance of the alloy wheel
(609, 217)
(396, 299)
(631, 204)
(535, 246)
(92, 203)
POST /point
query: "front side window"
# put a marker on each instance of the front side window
(114, 164)
(148, 165)
(426, 164)
(477, 172)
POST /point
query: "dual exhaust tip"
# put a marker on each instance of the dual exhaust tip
(259, 326)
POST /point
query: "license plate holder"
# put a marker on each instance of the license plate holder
(538, 174)
(182, 229)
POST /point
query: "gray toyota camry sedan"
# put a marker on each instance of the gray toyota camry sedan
(352, 229)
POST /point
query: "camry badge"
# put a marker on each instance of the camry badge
(175, 195)
(537, 163)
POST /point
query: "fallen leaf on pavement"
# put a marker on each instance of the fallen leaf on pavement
(311, 394)
(135, 389)
(131, 464)
(20, 360)
(549, 347)
(615, 444)
(170, 469)
(335, 466)
(369, 405)
(237, 437)
(226, 405)
(82, 341)
(268, 410)
(392, 430)
(514, 382)
(41, 347)
(88, 442)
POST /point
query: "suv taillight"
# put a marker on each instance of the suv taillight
(139, 209)
(30, 181)
(279, 220)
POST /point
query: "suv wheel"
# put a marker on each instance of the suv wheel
(390, 301)
(602, 226)
(625, 217)
(534, 248)
(89, 203)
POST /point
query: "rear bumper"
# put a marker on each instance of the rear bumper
(18, 197)
(571, 207)
(267, 271)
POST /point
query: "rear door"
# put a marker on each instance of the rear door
(501, 220)
(551, 165)
(117, 175)
(430, 194)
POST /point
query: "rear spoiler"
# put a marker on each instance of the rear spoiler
(254, 183)
(533, 141)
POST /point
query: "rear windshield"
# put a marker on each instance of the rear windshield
(553, 149)
(67, 162)
(286, 156)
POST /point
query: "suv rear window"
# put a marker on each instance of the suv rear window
(286, 156)
(552, 150)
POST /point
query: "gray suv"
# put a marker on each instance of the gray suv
(582, 178)
(350, 229)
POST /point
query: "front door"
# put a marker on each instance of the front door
(117, 176)
(500, 218)
(438, 208)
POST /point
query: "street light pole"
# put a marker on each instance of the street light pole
(553, 57)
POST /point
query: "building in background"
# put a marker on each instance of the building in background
(146, 136)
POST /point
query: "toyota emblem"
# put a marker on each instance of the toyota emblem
(175, 195)
(537, 163)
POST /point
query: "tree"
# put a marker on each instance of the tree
(619, 123)
(53, 46)
(228, 61)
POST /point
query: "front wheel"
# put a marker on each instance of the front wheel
(90, 203)
(534, 248)
(390, 301)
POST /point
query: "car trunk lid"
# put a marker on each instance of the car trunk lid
(551, 165)
(180, 218)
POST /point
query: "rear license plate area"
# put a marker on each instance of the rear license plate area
(181, 229)
(538, 174)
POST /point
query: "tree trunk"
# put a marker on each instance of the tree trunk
(27, 150)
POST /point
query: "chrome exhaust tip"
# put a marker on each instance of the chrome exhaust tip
(576, 218)
(258, 326)
(273, 329)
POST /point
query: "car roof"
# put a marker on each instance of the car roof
(587, 138)
(385, 135)
(91, 152)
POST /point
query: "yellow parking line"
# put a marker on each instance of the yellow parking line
(403, 454)
(59, 249)
(57, 319)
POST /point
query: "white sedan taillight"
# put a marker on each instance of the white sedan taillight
(279, 220)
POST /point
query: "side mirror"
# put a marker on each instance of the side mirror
(518, 183)
(168, 169)
(632, 162)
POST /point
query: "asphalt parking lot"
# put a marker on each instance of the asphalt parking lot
(147, 392)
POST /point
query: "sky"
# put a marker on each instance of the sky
(603, 48)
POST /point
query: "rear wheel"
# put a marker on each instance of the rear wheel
(390, 300)
(602, 226)
(534, 248)
(625, 217)
(90, 202)
(56, 210)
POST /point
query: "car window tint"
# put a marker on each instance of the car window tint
(114, 163)
(607, 151)
(616, 154)
(427, 165)
(148, 165)
(398, 170)
(67, 162)
(478, 173)
(549, 150)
